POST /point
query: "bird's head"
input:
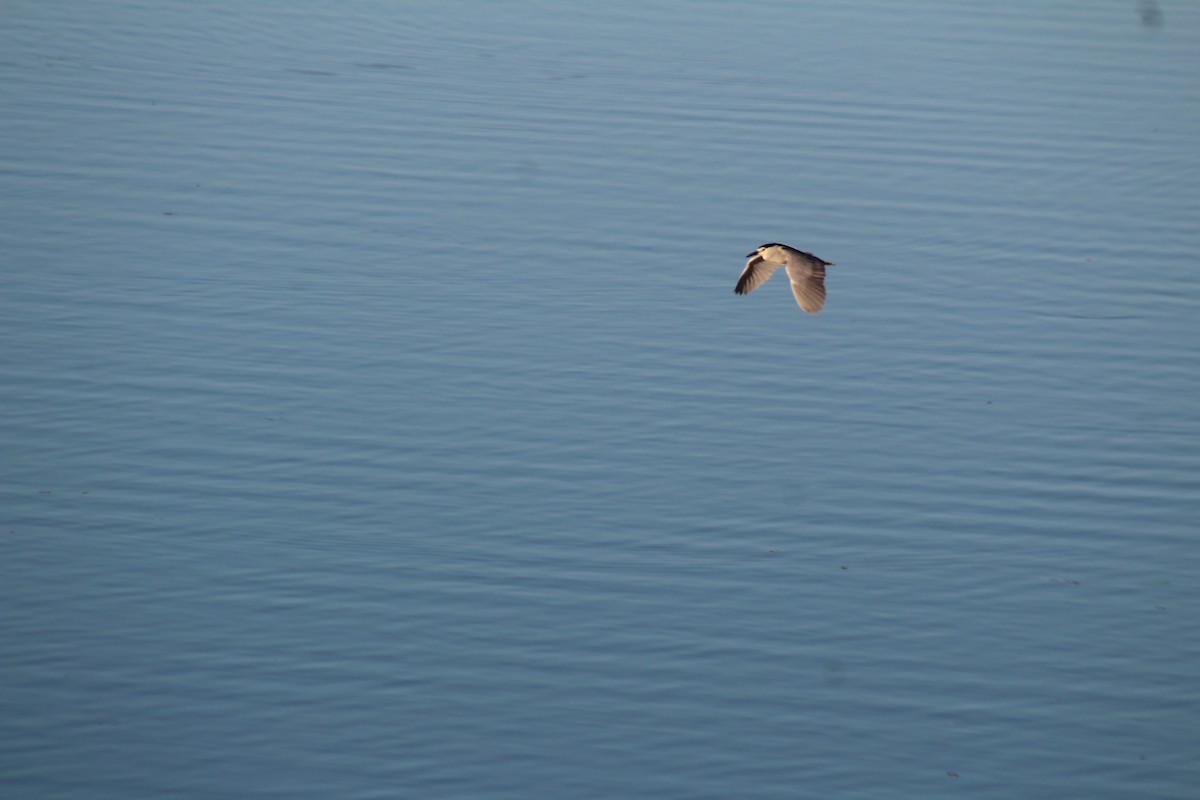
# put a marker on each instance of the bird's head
(770, 251)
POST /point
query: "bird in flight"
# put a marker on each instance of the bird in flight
(805, 271)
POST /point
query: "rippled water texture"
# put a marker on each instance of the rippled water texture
(379, 420)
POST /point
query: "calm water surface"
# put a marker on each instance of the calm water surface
(379, 421)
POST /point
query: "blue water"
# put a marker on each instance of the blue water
(378, 419)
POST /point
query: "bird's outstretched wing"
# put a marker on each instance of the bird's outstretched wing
(808, 283)
(755, 274)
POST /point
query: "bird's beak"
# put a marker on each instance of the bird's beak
(752, 254)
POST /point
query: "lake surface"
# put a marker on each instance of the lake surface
(378, 419)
